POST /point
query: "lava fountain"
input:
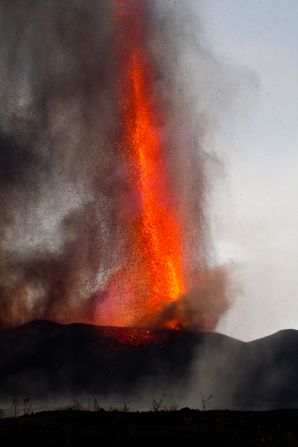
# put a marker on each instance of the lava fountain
(115, 234)
(153, 276)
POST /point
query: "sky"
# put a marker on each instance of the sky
(253, 208)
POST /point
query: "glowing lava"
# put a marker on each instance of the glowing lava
(155, 267)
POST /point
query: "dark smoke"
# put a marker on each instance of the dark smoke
(61, 178)
(57, 157)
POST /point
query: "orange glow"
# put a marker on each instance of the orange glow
(135, 336)
(155, 267)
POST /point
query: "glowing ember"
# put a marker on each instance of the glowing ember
(154, 273)
(136, 337)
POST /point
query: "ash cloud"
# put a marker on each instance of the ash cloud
(202, 307)
(57, 123)
(61, 178)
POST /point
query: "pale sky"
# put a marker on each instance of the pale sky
(254, 206)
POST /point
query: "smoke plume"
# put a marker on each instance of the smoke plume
(64, 189)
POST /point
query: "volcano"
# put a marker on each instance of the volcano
(42, 359)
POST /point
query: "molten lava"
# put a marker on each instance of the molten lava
(154, 270)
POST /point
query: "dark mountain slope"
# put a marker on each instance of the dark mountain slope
(43, 359)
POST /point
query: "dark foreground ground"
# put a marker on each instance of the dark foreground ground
(183, 427)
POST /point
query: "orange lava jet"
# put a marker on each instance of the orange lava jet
(155, 265)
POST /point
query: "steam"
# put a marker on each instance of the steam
(62, 180)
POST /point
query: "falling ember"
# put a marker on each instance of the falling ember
(155, 267)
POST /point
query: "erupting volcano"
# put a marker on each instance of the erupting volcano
(103, 170)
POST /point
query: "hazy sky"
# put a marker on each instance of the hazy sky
(254, 207)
